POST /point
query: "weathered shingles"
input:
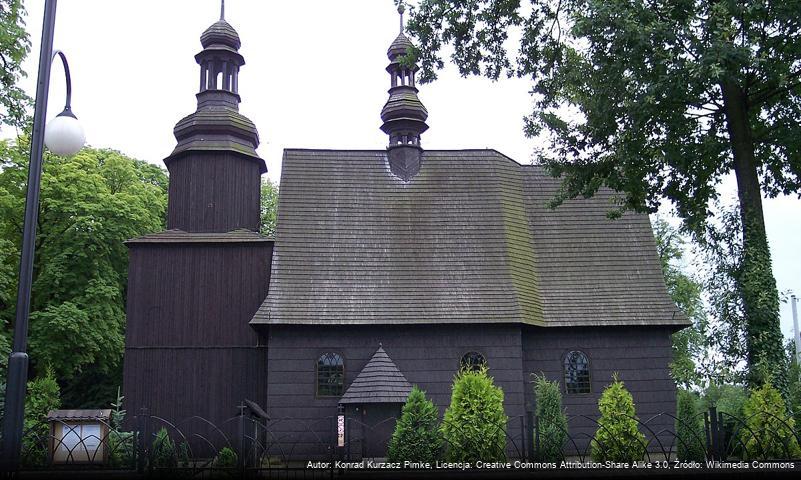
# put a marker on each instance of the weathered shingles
(467, 240)
(180, 236)
(379, 381)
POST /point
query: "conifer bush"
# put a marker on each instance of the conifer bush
(226, 458)
(474, 427)
(770, 432)
(690, 442)
(417, 437)
(164, 455)
(551, 419)
(617, 439)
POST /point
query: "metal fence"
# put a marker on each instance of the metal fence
(296, 448)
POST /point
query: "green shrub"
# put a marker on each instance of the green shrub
(226, 458)
(163, 454)
(474, 427)
(43, 395)
(617, 438)
(551, 419)
(689, 428)
(121, 449)
(417, 437)
(770, 427)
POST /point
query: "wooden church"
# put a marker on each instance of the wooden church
(390, 267)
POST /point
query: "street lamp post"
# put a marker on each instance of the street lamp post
(66, 137)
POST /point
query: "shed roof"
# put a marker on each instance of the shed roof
(102, 415)
(380, 381)
(469, 239)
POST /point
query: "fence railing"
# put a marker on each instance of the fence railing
(246, 443)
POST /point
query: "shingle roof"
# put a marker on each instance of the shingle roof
(180, 236)
(467, 240)
(104, 415)
(380, 381)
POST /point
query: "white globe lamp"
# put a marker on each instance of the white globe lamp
(64, 135)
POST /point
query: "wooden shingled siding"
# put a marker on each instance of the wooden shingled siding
(593, 270)
(427, 355)
(640, 355)
(189, 349)
(355, 244)
(214, 192)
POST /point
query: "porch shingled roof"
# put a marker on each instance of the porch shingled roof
(380, 381)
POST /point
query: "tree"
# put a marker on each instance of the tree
(417, 437)
(90, 204)
(269, 207)
(474, 427)
(617, 439)
(685, 290)
(771, 431)
(551, 420)
(656, 99)
(690, 436)
(15, 45)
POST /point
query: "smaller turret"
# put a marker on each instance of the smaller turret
(404, 115)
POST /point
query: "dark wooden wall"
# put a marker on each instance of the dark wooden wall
(640, 356)
(428, 355)
(214, 192)
(189, 349)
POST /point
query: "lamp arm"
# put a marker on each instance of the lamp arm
(68, 107)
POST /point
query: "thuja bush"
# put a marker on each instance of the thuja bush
(164, 454)
(474, 427)
(226, 458)
(44, 395)
(770, 429)
(690, 441)
(417, 437)
(617, 439)
(551, 419)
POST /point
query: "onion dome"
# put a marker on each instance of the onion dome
(221, 33)
(399, 47)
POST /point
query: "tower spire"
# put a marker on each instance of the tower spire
(404, 115)
(401, 9)
(222, 9)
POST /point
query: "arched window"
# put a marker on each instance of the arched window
(330, 375)
(577, 372)
(473, 361)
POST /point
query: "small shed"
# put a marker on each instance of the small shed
(79, 436)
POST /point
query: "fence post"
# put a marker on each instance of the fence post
(141, 436)
(712, 433)
(537, 445)
(240, 463)
(530, 435)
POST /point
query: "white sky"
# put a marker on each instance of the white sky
(314, 78)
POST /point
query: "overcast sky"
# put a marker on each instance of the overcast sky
(314, 78)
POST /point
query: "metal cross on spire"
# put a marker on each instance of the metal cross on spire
(222, 9)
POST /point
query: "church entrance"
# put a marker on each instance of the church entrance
(377, 425)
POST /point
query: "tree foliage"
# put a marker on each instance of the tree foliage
(770, 431)
(15, 45)
(690, 436)
(417, 437)
(474, 427)
(656, 99)
(90, 204)
(551, 420)
(269, 207)
(686, 292)
(617, 439)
